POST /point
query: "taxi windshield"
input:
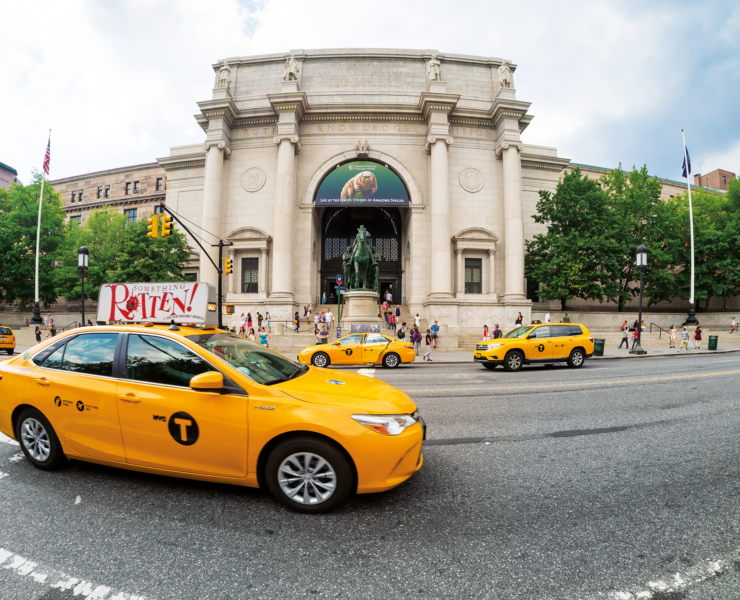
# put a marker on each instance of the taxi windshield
(259, 364)
(518, 332)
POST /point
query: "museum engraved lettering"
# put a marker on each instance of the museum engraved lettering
(354, 75)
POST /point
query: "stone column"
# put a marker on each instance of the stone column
(282, 238)
(262, 272)
(460, 275)
(441, 278)
(492, 271)
(211, 219)
(513, 224)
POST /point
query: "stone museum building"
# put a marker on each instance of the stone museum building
(428, 157)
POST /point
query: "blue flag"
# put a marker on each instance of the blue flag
(684, 163)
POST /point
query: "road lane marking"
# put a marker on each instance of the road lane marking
(61, 581)
(7, 440)
(17, 457)
(78, 500)
(3, 474)
(559, 385)
(367, 372)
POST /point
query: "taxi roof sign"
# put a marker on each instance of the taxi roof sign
(178, 301)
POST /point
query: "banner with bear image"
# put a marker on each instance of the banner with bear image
(362, 183)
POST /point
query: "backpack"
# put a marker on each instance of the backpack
(401, 333)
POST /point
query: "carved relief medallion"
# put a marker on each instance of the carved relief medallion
(253, 179)
(472, 180)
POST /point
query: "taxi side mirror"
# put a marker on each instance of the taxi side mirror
(212, 380)
(531, 336)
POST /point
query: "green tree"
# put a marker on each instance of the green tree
(576, 256)
(19, 206)
(639, 216)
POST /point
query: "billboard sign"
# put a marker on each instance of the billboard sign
(362, 183)
(180, 301)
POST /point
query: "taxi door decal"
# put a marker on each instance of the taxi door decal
(183, 428)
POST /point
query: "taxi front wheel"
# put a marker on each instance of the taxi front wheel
(320, 359)
(513, 361)
(308, 475)
(38, 440)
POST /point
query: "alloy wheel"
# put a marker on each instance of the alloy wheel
(307, 478)
(391, 360)
(35, 439)
(319, 360)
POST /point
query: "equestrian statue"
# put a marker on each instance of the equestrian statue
(360, 262)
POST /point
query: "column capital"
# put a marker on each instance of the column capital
(432, 139)
(292, 138)
(220, 144)
(458, 251)
(263, 250)
(505, 145)
(492, 251)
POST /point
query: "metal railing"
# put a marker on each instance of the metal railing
(660, 329)
(73, 323)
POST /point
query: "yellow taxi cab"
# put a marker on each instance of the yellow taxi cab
(537, 344)
(7, 340)
(206, 404)
(360, 349)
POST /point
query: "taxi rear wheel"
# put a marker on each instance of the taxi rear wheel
(10, 351)
(38, 440)
(308, 475)
(391, 360)
(320, 359)
(513, 361)
(576, 359)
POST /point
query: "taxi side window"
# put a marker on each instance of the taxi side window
(375, 338)
(575, 330)
(560, 330)
(542, 332)
(159, 360)
(351, 339)
(90, 353)
(54, 360)
(5, 331)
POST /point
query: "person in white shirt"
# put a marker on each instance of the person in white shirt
(316, 320)
(548, 316)
(329, 317)
(417, 320)
(732, 325)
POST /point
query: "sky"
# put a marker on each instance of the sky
(610, 82)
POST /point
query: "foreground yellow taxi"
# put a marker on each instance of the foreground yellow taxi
(360, 349)
(209, 405)
(537, 344)
(7, 340)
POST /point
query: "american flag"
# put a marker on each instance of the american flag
(47, 156)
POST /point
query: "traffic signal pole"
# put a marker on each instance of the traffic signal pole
(221, 272)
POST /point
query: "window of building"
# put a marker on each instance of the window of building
(74, 196)
(190, 276)
(130, 214)
(136, 187)
(128, 188)
(250, 274)
(160, 184)
(80, 196)
(724, 180)
(107, 191)
(473, 275)
(533, 290)
(76, 220)
(100, 191)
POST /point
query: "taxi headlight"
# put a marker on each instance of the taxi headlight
(386, 424)
(494, 346)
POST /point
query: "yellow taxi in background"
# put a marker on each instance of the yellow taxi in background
(206, 404)
(537, 344)
(7, 340)
(360, 349)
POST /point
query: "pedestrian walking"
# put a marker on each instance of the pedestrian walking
(497, 333)
(329, 318)
(566, 318)
(430, 345)
(249, 320)
(732, 325)
(394, 321)
(519, 319)
(417, 320)
(260, 318)
(267, 322)
(548, 317)
(53, 330)
(416, 335)
(401, 334)
(38, 334)
(435, 333)
(672, 343)
(385, 306)
(697, 337)
(306, 312)
(684, 339)
(46, 321)
(243, 321)
(297, 322)
(485, 332)
(634, 338)
(389, 297)
(625, 339)
(398, 313)
(323, 298)
(264, 338)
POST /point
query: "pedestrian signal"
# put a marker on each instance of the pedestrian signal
(166, 225)
(153, 228)
(228, 266)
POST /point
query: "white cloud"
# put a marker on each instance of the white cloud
(119, 82)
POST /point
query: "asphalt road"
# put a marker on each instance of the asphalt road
(616, 481)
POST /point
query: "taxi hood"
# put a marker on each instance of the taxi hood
(356, 392)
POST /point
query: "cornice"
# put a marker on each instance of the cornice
(548, 163)
(127, 201)
(255, 121)
(185, 161)
(350, 117)
(435, 102)
(506, 108)
(295, 102)
(222, 108)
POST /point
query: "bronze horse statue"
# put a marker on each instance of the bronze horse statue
(359, 261)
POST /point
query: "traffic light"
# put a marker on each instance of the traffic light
(228, 266)
(153, 229)
(166, 225)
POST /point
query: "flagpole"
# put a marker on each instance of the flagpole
(36, 319)
(692, 309)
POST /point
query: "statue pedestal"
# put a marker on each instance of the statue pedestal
(361, 308)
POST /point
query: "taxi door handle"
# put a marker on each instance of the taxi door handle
(43, 381)
(129, 398)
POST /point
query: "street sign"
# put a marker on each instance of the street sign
(341, 288)
(340, 280)
(339, 332)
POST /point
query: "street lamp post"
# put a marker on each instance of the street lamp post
(82, 260)
(641, 261)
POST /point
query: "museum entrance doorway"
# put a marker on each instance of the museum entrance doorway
(339, 228)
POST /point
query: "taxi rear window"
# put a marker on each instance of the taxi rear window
(5, 331)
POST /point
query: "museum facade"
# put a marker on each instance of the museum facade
(421, 148)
